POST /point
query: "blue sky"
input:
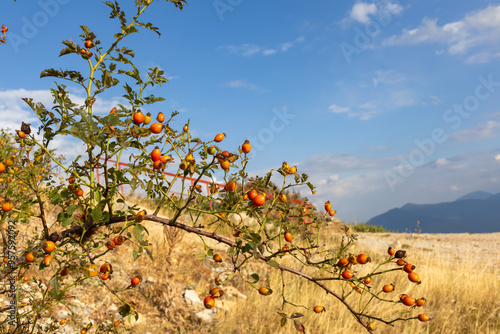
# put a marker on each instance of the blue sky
(381, 103)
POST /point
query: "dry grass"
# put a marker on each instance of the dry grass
(459, 273)
(461, 298)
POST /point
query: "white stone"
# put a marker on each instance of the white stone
(191, 297)
(206, 315)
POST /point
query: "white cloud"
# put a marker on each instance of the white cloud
(487, 130)
(389, 77)
(364, 12)
(364, 115)
(361, 11)
(338, 110)
(286, 46)
(171, 77)
(435, 100)
(248, 50)
(245, 50)
(368, 105)
(242, 84)
(478, 32)
(394, 8)
(269, 52)
(378, 148)
(13, 111)
(481, 57)
(359, 189)
(442, 162)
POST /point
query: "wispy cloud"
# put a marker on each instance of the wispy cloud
(487, 130)
(357, 187)
(248, 50)
(477, 33)
(243, 84)
(387, 77)
(337, 109)
(378, 148)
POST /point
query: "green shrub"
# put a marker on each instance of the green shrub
(363, 227)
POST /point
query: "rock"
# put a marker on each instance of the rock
(191, 297)
(206, 315)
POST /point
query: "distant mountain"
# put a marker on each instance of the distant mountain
(476, 195)
(477, 212)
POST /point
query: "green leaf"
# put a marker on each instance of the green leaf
(150, 254)
(201, 256)
(256, 254)
(138, 232)
(256, 237)
(255, 278)
(55, 291)
(135, 254)
(273, 263)
(268, 178)
(283, 321)
(124, 310)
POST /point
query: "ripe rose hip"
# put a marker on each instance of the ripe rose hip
(363, 259)
(423, 317)
(136, 280)
(319, 309)
(388, 288)
(347, 274)
(265, 291)
(408, 301)
(408, 268)
(421, 302)
(209, 302)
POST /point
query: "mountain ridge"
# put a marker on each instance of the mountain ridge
(476, 212)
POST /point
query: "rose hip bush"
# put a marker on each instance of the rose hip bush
(266, 226)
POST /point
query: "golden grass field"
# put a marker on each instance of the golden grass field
(459, 273)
